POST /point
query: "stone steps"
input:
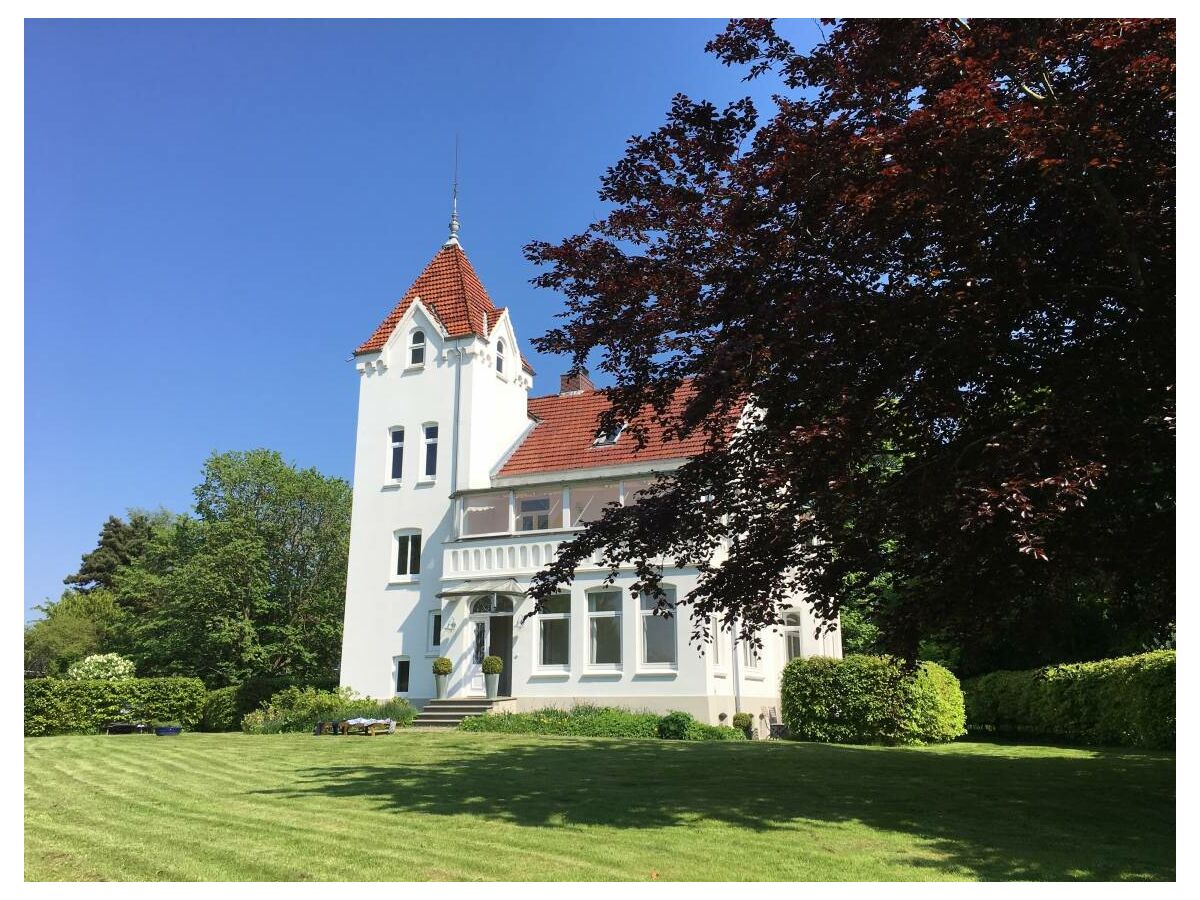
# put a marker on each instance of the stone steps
(448, 713)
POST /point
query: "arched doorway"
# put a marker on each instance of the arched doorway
(491, 635)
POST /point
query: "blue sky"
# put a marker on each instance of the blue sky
(217, 213)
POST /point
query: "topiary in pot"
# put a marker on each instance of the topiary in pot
(492, 667)
(442, 667)
(745, 722)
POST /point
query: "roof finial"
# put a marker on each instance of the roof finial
(453, 239)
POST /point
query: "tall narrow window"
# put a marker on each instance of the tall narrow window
(555, 628)
(416, 349)
(500, 357)
(604, 624)
(435, 630)
(716, 641)
(397, 453)
(402, 674)
(408, 553)
(791, 635)
(658, 633)
(750, 655)
(431, 442)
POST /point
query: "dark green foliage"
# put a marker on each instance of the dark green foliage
(602, 721)
(492, 665)
(297, 709)
(674, 726)
(1126, 701)
(121, 542)
(60, 706)
(870, 699)
(442, 666)
(586, 721)
(220, 711)
(744, 722)
(77, 625)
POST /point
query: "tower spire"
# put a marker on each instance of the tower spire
(453, 239)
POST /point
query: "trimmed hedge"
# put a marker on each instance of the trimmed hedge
(870, 699)
(1128, 701)
(601, 721)
(62, 706)
(225, 707)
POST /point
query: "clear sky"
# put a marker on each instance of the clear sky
(217, 213)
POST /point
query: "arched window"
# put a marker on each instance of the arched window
(500, 357)
(416, 349)
(492, 603)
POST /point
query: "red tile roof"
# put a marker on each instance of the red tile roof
(566, 427)
(451, 290)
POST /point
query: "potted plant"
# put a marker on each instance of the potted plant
(442, 667)
(745, 722)
(167, 729)
(492, 667)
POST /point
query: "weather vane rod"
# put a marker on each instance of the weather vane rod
(453, 239)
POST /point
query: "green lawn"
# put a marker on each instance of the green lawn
(427, 805)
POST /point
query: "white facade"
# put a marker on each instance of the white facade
(396, 624)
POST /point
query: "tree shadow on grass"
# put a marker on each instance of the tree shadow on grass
(999, 813)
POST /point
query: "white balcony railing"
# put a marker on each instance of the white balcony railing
(519, 554)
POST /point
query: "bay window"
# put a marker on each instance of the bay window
(539, 511)
(485, 513)
(587, 503)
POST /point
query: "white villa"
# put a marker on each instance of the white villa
(464, 486)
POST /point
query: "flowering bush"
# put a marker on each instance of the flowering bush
(101, 667)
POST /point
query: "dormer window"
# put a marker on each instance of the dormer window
(608, 438)
(500, 357)
(416, 349)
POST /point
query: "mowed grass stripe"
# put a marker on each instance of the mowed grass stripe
(260, 827)
(460, 806)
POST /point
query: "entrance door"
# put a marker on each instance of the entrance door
(491, 635)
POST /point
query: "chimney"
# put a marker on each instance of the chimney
(574, 383)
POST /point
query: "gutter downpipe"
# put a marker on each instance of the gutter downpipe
(737, 671)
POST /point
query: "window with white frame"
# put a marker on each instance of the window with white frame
(588, 503)
(631, 489)
(397, 466)
(604, 628)
(500, 357)
(608, 437)
(750, 655)
(408, 553)
(791, 635)
(717, 635)
(485, 513)
(402, 667)
(539, 510)
(431, 446)
(658, 630)
(435, 630)
(554, 632)
(416, 349)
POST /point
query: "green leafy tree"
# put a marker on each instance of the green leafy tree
(253, 584)
(75, 626)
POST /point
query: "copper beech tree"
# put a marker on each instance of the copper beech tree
(943, 272)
